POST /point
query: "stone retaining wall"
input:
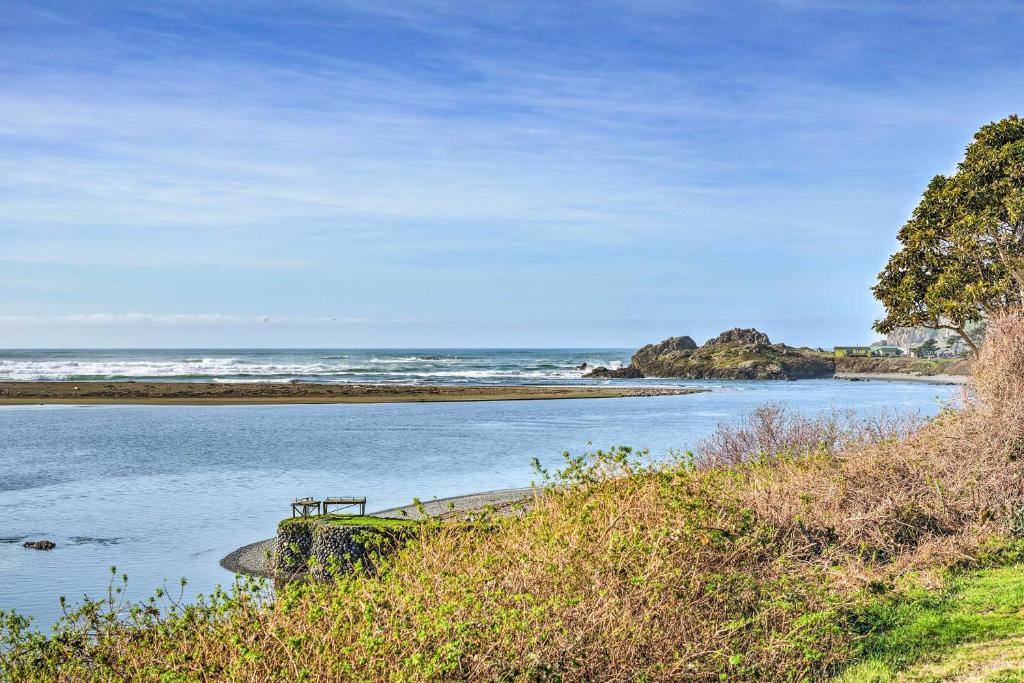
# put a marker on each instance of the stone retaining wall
(293, 548)
(320, 548)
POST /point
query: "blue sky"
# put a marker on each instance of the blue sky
(361, 173)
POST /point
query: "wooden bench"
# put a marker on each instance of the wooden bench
(306, 507)
(345, 503)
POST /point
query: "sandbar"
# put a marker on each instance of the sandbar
(252, 393)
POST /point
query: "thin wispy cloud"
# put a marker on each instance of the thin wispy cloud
(383, 154)
(194, 321)
(182, 320)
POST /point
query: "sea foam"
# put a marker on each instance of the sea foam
(470, 366)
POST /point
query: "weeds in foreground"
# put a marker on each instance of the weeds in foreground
(752, 566)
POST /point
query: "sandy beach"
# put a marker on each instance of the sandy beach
(208, 393)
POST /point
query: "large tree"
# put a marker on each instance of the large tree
(989, 187)
(962, 254)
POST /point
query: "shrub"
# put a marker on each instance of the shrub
(772, 430)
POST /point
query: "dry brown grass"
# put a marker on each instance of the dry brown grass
(743, 568)
(933, 491)
(773, 430)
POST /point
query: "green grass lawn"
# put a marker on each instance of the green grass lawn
(972, 630)
(365, 520)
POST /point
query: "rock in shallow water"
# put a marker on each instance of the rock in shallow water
(619, 373)
(40, 545)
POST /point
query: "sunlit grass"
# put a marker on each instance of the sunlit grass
(972, 626)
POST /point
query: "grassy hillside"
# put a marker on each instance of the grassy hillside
(788, 548)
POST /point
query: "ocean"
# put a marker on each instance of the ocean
(164, 492)
(375, 366)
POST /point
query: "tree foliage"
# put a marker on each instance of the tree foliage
(962, 254)
(928, 348)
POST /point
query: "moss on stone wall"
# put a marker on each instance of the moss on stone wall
(323, 545)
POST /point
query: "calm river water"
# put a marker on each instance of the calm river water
(164, 492)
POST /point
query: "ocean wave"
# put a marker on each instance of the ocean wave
(414, 359)
(254, 380)
(278, 366)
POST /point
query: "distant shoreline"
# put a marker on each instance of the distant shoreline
(274, 393)
(902, 377)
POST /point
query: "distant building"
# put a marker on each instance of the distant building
(852, 351)
(883, 351)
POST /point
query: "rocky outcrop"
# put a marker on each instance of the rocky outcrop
(673, 344)
(628, 372)
(40, 545)
(734, 354)
(746, 336)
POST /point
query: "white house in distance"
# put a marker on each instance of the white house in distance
(881, 351)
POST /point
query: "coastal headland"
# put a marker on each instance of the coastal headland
(238, 393)
(748, 354)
